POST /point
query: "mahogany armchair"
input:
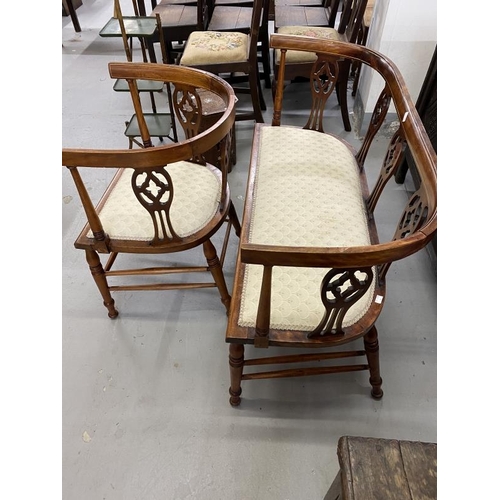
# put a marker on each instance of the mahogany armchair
(311, 271)
(164, 199)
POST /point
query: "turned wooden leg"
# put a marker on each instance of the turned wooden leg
(236, 361)
(216, 270)
(372, 348)
(100, 279)
(233, 217)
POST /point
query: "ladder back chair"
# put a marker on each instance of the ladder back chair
(228, 52)
(234, 15)
(162, 200)
(311, 271)
(300, 64)
(180, 20)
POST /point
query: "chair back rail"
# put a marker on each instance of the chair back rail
(155, 157)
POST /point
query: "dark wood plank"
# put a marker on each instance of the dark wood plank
(420, 460)
(231, 18)
(377, 470)
(287, 16)
(387, 469)
(316, 16)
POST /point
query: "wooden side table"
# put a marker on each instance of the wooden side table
(384, 469)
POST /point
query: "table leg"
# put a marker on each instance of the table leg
(74, 17)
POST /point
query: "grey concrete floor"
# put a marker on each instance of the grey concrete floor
(145, 411)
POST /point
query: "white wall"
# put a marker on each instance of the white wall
(406, 32)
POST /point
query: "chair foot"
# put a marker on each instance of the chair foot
(236, 362)
(112, 312)
(235, 399)
(377, 393)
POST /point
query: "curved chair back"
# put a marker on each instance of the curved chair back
(162, 199)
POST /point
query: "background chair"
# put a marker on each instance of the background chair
(300, 64)
(180, 20)
(162, 200)
(230, 52)
(236, 15)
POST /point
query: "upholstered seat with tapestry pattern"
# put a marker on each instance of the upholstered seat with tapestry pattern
(207, 47)
(297, 56)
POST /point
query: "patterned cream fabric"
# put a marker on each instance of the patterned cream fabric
(196, 200)
(307, 193)
(209, 47)
(297, 56)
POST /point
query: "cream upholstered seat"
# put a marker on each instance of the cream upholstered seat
(332, 214)
(196, 200)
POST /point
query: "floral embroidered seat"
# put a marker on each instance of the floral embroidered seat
(164, 199)
(311, 271)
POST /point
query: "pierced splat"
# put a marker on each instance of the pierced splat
(324, 77)
(340, 289)
(155, 192)
(414, 216)
(378, 116)
(391, 162)
(188, 109)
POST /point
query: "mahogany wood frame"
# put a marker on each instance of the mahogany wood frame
(150, 160)
(414, 229)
